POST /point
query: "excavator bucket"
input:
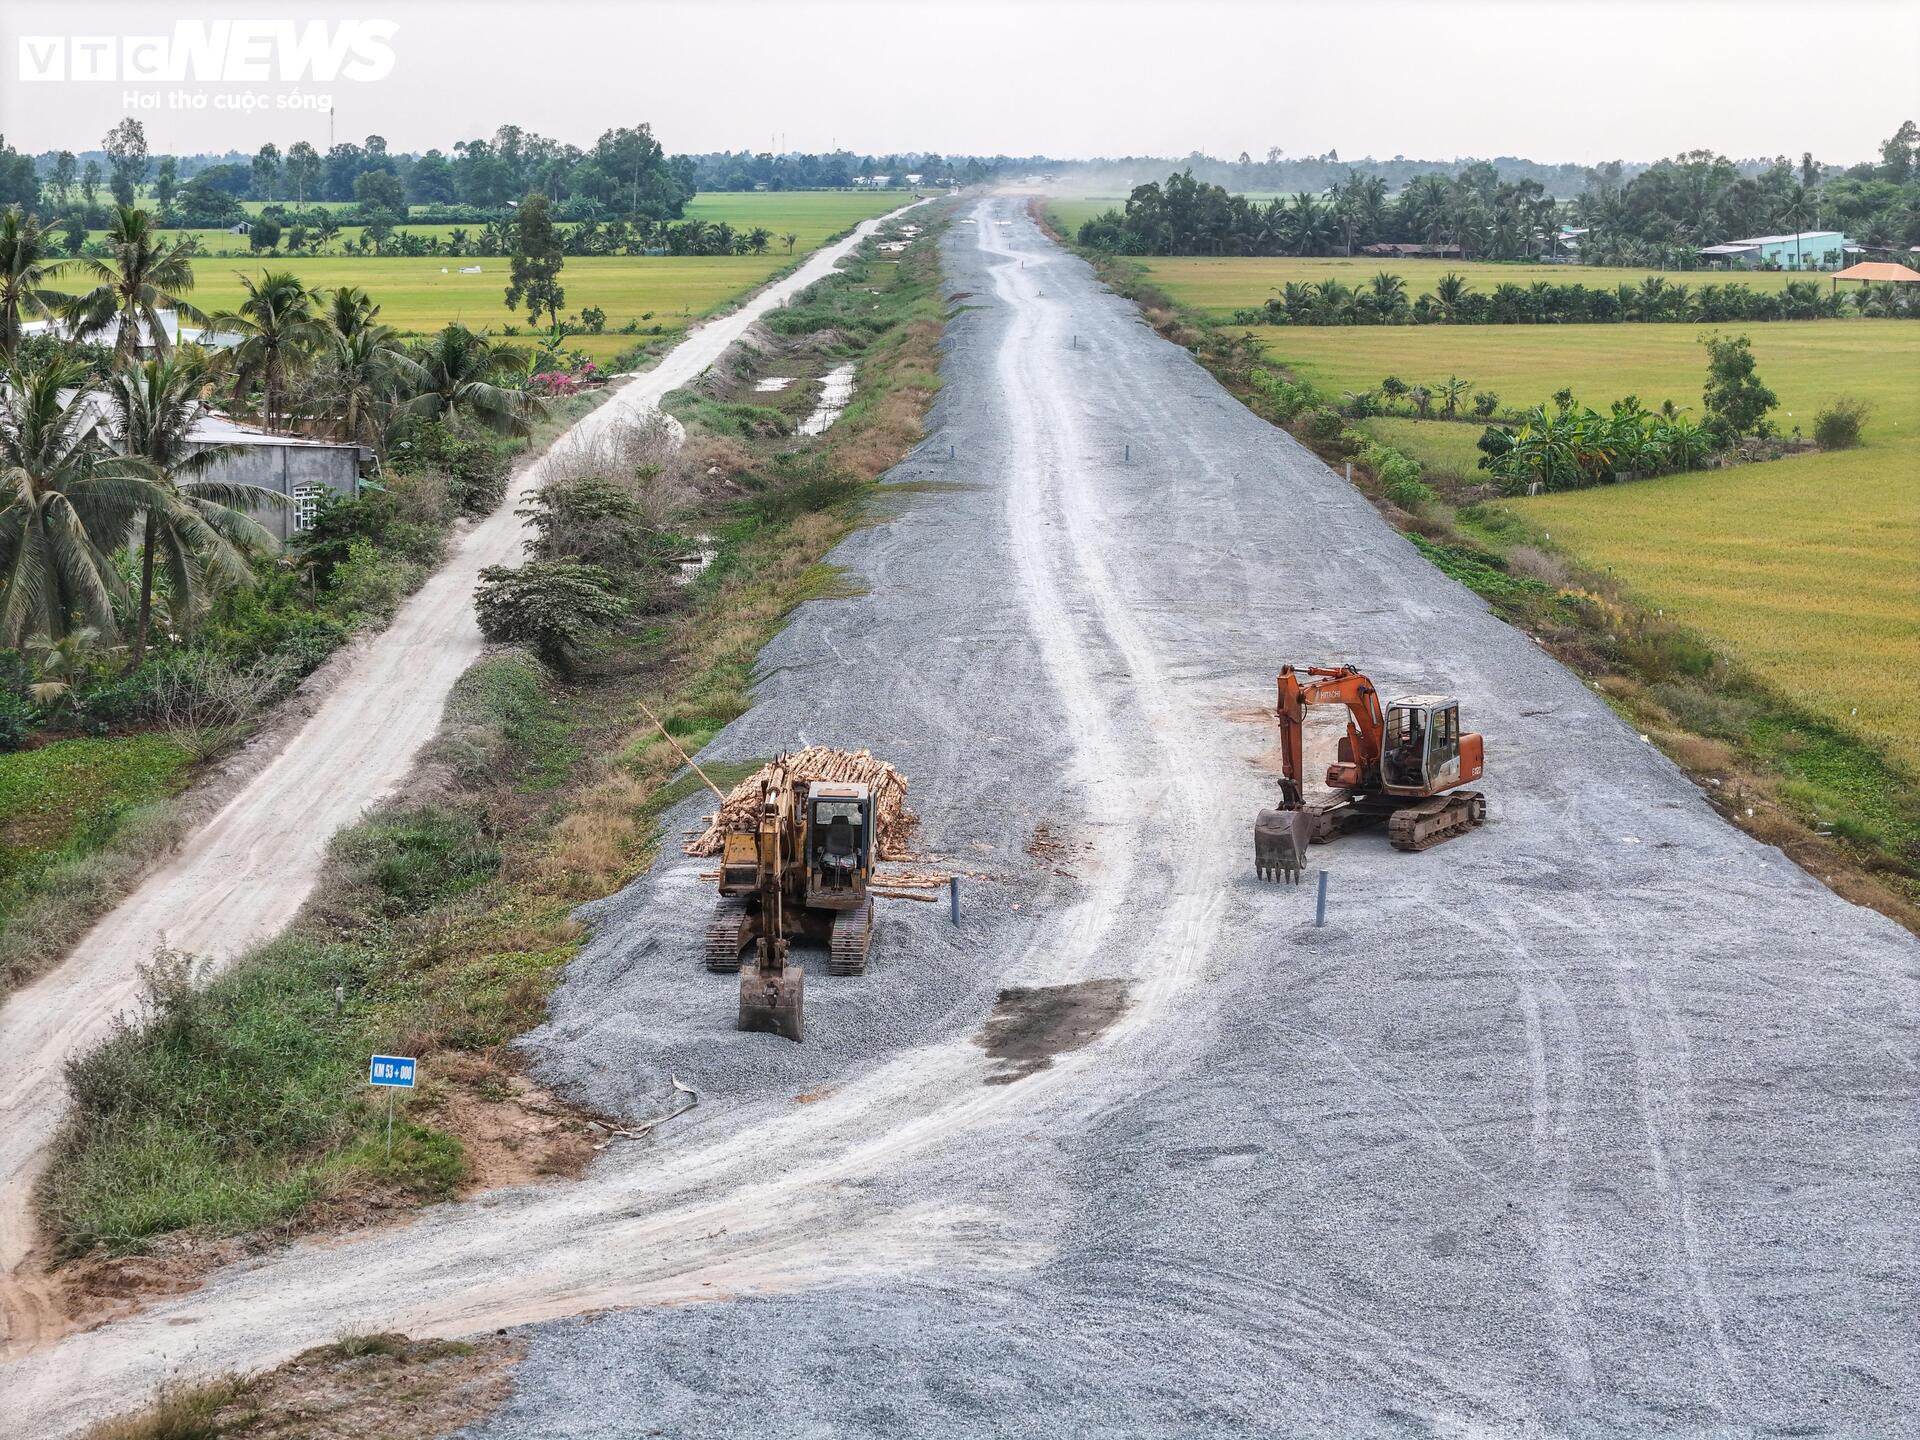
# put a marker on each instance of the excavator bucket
(770, 998)
(1280, 844)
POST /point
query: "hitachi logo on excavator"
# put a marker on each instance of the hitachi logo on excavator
(251, 51)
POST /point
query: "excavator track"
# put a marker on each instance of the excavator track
(1423, 826)
(727, 934)
(852, 940)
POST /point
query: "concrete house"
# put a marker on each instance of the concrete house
(1807, 250)
(305, 471)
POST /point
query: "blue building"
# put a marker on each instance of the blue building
(1808, 250)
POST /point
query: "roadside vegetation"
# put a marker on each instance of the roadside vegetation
(357, 1385)
(239, 1106)
(1723, 659)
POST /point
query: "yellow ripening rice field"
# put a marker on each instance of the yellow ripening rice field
(421, 294)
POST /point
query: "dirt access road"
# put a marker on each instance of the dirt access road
(1598, 1121)
(241, 877)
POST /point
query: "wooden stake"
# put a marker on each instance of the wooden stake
(677, 747)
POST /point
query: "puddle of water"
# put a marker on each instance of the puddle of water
(836, 389)
(773, 383)
(691, 566)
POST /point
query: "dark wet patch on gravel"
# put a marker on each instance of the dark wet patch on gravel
(1029, 1027)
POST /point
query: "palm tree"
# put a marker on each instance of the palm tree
(142, 276)
(1310, 224)
(791, 239)
(1796, 208)
(461, 372)
(1451, 291)
(363, 368)
(65, 501)
(278, 331)
(24, 266)
(197, 526)
(1389, 294)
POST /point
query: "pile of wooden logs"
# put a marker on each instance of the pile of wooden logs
(892, 821)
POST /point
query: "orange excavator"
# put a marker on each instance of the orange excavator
(1403, 764)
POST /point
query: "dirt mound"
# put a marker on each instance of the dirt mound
(892, 821)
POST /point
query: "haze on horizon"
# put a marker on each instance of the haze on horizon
(1569, 81)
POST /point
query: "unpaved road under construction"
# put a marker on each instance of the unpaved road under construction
(1600, 1120)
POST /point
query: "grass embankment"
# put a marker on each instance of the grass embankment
(358, 1385)
(445, 921)
(1788, 769)
(83, 819)
(62, 805)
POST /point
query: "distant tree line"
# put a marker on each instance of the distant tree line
(1659, 216)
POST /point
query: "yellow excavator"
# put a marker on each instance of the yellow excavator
(803, 870)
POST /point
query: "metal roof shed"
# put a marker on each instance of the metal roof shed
(1877, 272)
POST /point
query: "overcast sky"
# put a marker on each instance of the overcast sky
(1550, 81)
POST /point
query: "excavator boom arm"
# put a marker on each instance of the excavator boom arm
(1326, 685)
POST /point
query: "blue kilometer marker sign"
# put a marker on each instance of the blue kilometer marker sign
(391, 1070)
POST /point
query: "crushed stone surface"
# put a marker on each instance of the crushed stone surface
(1546, 1133)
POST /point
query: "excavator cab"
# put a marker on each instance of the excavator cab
(1422, 750)
(839, 845)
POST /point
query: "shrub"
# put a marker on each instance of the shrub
(1838, 426)
(1287, 398)
(16, 718)
(205, 701)
(475, 469)
(553, 606)
(415, 858)
(1734, 393)
(1408, 494)
(1485, 402)
(1322, 426)
(369, 584)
